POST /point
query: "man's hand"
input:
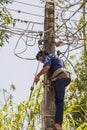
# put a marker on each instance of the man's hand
(37, 78)
(43, 71)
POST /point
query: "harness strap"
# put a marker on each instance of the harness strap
(61, 76)
(59, 71)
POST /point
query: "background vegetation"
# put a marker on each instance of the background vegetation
(27, 115)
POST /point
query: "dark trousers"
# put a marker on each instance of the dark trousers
(59, 88)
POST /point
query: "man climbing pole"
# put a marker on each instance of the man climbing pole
(59, 77)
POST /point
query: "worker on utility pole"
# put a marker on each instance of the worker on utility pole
(59, 77)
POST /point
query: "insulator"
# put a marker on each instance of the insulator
(40, 33)
(40, 42)
(58, 52)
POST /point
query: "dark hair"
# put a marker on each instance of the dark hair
(41, 53)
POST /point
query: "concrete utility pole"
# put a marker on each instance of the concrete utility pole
(49, 46)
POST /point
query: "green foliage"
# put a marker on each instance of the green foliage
(25, 115)
(2, 2)
(83, 126)
(35, 107)
(75, 101)
(72, 57)
(82, 23)
(5, 19)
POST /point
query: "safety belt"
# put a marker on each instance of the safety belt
(58, 71)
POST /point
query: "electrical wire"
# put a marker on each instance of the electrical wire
(32, 87)
(17, 54)
(43, 7)
(26, 21)
(19, 40)
(24, 12)
(28, 4)
(71, 16)
(31, 39)
(19, 11)
(19, 31)
(69, 63)
(44, 31)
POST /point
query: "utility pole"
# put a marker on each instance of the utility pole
(48, 111)
(85, 46)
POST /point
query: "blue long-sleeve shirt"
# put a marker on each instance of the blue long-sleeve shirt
(54, 62)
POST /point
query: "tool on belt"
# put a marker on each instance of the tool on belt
(59, 75)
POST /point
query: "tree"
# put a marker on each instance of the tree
(75, 101)
(25, 115)
(5, 20)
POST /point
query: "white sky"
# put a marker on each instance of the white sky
(14, 70)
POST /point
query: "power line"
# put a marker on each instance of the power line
(43, 7)
(17, 53)
(19, 11)
(71, 16)
(70, 11)
(34, 36)
(26, 34)
(18, 29)
(28, 4)
(26, 21)
(16, 33)
(4, 28)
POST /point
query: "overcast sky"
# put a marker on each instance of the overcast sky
(14, 70)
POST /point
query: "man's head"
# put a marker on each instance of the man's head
(40, 55)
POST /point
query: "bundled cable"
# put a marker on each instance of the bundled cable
(32, 87)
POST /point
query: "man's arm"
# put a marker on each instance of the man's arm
(43, 71)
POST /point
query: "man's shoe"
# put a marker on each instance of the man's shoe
(58, 126)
